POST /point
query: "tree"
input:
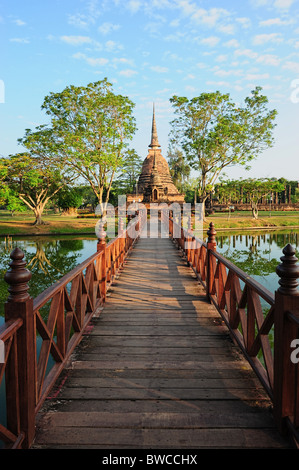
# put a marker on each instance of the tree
(130, 171)
(90, 128)
(216, 133)
(257, 188)
(33, 180)
(178, 167)
(69, 199)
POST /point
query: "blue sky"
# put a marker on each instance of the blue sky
(151, 50)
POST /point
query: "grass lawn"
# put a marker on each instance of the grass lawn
(244, 219)
(22, 223)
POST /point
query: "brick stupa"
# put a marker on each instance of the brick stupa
(155, 183)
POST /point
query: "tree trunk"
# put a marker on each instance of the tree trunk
(254, 210)
(38, 211)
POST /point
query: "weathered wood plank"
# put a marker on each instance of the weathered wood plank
(128, 438)
(163, 420)
(157, 369)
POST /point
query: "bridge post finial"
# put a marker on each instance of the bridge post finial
(18, 277)
(212, 237)
(288, 271)
(19, 305)
(101, 234)
(211, 246)
(285, 331)
(101, 249)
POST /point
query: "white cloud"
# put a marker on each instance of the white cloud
(269, 59)
(257, 76)
(133, 5)
(113, 46)
(293, 66)
(247, 53)
(244, 22)
(79, 21)
(76, 40)
(159, 69)
(232, 43)
(263, 38)
(19, 22)
(211, 41)
(226, 29)
(90, 15)
(107, 28)
(189, 88)
(225, 73)
(209, 17)
(128, 73)
(201, 65)
(283, 4)
(275, 22)
(212, 18)
(218, 83)
(221, 58)
(20, 40)
(123, 60)
(93, 61)
(280, 4)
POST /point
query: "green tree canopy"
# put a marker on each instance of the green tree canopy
(130, 171)
(33, 180)
(178, 167)
(216, 133)
(91, 127)
(253, 189)
(69, 199)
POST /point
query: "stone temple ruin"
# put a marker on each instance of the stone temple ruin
(155, 184)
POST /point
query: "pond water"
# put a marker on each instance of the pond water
(49, 258)
(258, 253)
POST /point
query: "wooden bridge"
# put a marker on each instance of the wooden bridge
(167, 351)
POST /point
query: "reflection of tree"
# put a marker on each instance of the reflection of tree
(49, 260)
(40, 260)
(254, 262)
(255, 258)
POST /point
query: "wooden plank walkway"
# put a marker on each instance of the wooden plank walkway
(157, 370)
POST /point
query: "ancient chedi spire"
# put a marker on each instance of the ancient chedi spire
(155, 183)
(154, 140)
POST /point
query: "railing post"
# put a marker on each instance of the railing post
(211, 247)
(101, 247)
(121, 241)
(20, 305)
(286, 299)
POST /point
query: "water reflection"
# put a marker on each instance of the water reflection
(48, 258)
(257, 253)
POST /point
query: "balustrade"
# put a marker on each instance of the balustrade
(72, 301)
(58, 317)
(252, 314)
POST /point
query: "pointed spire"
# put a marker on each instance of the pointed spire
(154, 140)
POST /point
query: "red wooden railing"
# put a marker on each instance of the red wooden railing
(73, 300)
(58, 316)
(241, 302)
